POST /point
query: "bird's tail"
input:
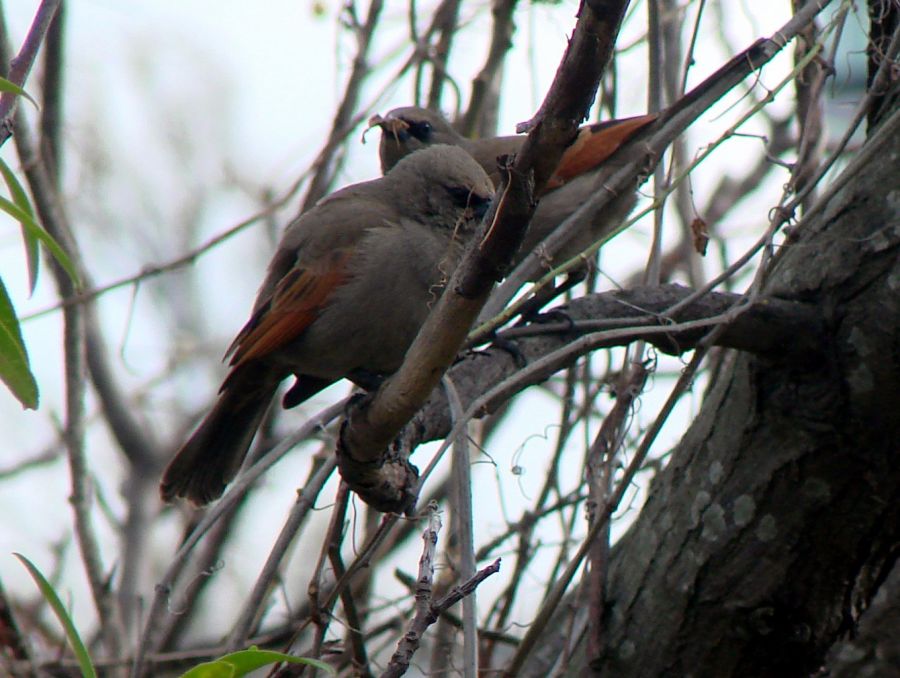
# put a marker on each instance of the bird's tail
(211, 457)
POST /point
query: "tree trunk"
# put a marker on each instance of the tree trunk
(778, 516)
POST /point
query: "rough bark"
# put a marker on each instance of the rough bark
(778, 516)
(768, 325)
(875, 650)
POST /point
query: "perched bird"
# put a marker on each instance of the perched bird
(350, 284)
(407, 129)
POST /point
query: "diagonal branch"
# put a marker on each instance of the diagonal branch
(645, 150)
(20, 65)
(369, 429)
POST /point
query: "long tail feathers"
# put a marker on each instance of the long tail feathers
(212, 456)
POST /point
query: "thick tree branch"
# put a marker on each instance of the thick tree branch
(771, 327)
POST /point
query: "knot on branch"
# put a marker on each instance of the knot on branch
(387, 484)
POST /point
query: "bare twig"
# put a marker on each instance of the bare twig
(600, 465)
(152, 270)
(463, 523)
(672, 123)
(48, 456)
(149, 638)
(409, 643)
(197, 573)
(20, 65)
(427, 610)
(320, 613)
(327, 164)
(490, 380)
(53, 216)
(655, 100)
(561, 584)
(525, 527)
(356, 640)
(251, 612)
(14, 645)
(810, 109)
(486, 82)
(134, 442)
(52, 93)
(445, 24)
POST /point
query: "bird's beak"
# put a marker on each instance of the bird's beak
(391, 126)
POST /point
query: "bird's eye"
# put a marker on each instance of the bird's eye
(465, 198)
(461, 196)
(420, 129)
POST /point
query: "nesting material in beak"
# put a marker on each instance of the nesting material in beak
(394, 127)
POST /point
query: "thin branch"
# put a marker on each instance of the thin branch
(197, 573)
(149, 638)
(134, 442)
(600, 465)
(487, 79)
(52, 93)
(769, 326)
(671, 123)
(74, 330)
(321, 613)
(810, 86)
(327, 163)
(48, 456)
(446, 18)
(20, 65)
(359, 659)
(550, 605)
(409, 643)
(655, 104)
(251, 612)
(14, 645)
(463, 523)
(152, 270)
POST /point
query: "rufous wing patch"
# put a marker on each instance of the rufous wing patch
(298, 298)
(593, 145)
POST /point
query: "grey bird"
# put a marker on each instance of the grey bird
(350, 284)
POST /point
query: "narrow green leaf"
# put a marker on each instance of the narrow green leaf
(241, 663)
(13, 88)
(34, 229)
(15, 370)
(20, 198)
(81, 653)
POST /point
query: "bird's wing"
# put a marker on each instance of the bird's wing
(297, 299)
(593, 145)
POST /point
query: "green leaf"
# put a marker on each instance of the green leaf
(14, 367)
(20, 198)
(81, 653)
(13, 88)
(241, 663)
(35, 230)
